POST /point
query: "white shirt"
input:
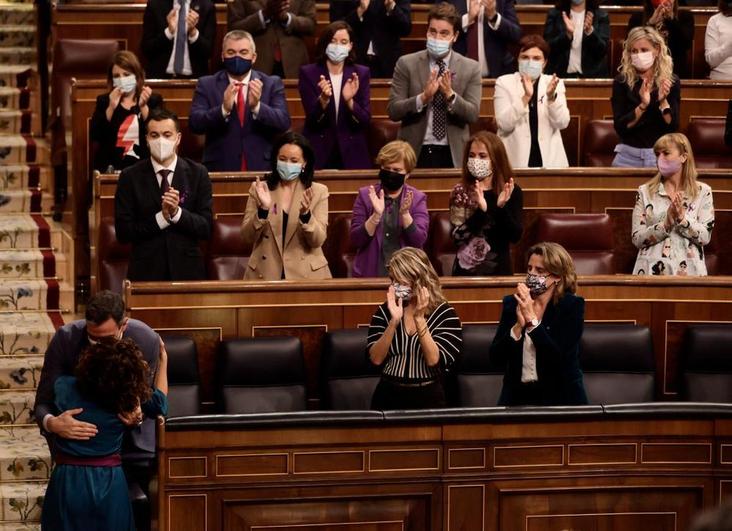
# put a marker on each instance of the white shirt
(336, 81)
(187, 70)
(429, 138)
(162, 222)
(575, 51)
(718, 47)
(481, 47)
(528, 361)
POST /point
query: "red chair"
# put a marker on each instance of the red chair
(227, 254)
(599, 143)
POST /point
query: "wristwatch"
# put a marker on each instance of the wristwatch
(534, 322)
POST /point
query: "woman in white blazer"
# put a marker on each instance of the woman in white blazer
(531, 110)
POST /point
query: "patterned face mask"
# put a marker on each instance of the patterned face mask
(402, 292)
(536, 284)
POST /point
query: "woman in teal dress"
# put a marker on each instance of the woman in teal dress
(88, 490)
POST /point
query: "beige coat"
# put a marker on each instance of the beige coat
(301, 252)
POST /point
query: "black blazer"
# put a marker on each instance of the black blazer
(497, 43)
(557, 341)
(163, 254)
(594, 46)
(728, 127)
(103, 134)
(157, 48)
(385, 31)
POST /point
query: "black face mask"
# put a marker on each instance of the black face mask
(391, 180)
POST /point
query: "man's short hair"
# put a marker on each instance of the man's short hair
(237, 35)
(445, 11)
(105, 305)
(161, 113)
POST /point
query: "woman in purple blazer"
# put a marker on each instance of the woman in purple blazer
(390, 215)
(335, 94)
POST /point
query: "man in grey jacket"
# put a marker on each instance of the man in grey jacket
(435, 94)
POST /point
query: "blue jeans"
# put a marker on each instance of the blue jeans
(630, 157)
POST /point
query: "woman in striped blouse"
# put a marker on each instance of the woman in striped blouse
(415, 336)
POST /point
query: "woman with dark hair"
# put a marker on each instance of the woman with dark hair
(118, 124)
(718, 42)
(676, 27)
(286, 216)
(578, 34)
(538, 337)
(335, 95)
(415, 336)
(531, 110)
(87, 489)
(485, 209)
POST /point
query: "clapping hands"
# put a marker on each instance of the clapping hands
(263, 197)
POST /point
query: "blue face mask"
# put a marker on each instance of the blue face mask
(289, 171)
(531, 68)
(577, 2)
(337, 52)
(438, 48)
(237, 66)
(126, 84)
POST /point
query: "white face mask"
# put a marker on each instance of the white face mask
(126, 84)
(642, 61)
(162, 148)
(480, 168)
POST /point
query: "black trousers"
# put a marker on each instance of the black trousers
(390, 395)
(432, 156)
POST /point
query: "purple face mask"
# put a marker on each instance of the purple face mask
(667, 168)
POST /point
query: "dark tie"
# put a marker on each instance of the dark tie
(164, 184)
(181, 38)
(439, 108)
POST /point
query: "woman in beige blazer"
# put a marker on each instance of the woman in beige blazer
(286, 217)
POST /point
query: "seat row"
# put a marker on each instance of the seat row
(267, 375)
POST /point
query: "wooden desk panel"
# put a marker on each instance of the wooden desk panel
(211, 310)
(507, 474)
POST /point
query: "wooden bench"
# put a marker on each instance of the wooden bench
(123, 22)
(211, 311)
(620, 467)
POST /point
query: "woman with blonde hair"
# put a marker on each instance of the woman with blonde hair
(485, 209)
(674, 213)
(389, 215)
(415, 336)
(118, 124)
(538, 337)
(645, 98)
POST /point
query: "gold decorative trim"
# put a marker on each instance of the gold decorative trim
(412, 450)
(269, 454)
(528, 447)
(361, 452)
(205, 507)
(721, 451)
(321, 524)
(205, 466)
(570, 446)
(665, 344)
(659, 513)
(482, 501)
(449, 455)
(708, 445)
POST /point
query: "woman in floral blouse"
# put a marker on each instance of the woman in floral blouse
(485, 209)
(673, 215)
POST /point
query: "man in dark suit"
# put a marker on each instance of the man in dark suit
(163, 208)
(279, 28)
(167, 56)
(489, 28)
(105, 318)
(240, 110)
(379, 26)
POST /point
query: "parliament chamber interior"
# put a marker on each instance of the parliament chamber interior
(270, 421)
